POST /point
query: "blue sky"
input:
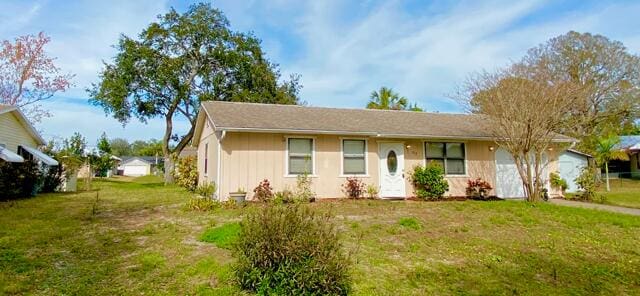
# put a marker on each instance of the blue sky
(342, 49)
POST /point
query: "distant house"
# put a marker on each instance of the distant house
(136, 166)
(19, 140)
(240, 144)
(629, 168)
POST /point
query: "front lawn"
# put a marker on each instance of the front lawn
(136, 237)
(624, 192)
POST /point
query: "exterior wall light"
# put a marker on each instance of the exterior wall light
(491, 148)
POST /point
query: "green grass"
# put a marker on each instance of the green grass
(223, 236)
(137, 238)
(411, 223)
(624, 192)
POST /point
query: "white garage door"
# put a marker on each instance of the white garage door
(569, 167)
(135, 170)
(508, 182)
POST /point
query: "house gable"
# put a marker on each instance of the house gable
(17, 131)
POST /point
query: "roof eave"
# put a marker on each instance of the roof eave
(368, 134)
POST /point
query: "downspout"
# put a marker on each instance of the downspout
(219, 164)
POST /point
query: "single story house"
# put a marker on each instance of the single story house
(240, 144)
(136, 166)
(627, 168)
(570, 165)
(19, 140)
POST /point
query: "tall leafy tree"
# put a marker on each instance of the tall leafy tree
(102, 161)
(104, 146)
(387, 99)
(152, 147)
(607, 150)
(180, 61)
(609, 79)
(28, 75)
(120, 147)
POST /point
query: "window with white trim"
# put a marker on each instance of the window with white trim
(451, 156)
(354, 157)
(300, 156)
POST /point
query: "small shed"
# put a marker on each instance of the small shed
(570, 164)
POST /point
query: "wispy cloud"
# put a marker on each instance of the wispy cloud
(343, 49)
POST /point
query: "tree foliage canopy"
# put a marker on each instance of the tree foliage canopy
(609, 79)
(28, 75)
(182, 60)
(387, 99)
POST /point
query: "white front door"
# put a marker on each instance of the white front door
(392, 170)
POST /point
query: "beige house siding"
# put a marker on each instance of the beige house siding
(248, 158)
(208, 139)
(13, 133)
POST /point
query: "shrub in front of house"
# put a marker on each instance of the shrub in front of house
(52, 178)
(303, 191)
(478, 188)
(353, 188)
(263, 192)
(429, 182)
(587, 183)
(290, 250)
(206, 190)
(557, 182)
(186, 173)
(19, 179)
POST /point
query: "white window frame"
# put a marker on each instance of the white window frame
(286, 156)
(466, 157)
(366, 158)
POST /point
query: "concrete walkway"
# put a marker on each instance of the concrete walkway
(588, 205)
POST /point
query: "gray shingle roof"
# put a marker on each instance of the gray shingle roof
(385, 123)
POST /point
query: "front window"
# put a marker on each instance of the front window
(353, 157)
(450, 156)
(300, 156)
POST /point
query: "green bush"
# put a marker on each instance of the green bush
(186, 173)
(206, 190)
(410, 222)
(18, 180)
(53, 178)
(202, 204)
(557, 182)
(428, 181)
(290, 250)
(587, 183)
(224, 236)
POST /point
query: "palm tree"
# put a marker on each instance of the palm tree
(387, 99)
(606, 151)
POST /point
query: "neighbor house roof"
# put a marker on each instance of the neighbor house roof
(629, 142)
(147, 159)
(319, 120)
(579, 153)
(24, 121)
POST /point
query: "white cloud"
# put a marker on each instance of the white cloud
(425, 56)
(342, 50)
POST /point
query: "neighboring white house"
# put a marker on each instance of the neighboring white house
(136, 166)
(570, 164)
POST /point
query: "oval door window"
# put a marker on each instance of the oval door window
(392, 162)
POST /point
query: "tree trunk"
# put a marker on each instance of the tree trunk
(606, 175)
(169, 167)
